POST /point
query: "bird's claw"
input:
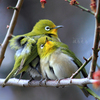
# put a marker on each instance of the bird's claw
(45, 80)
(29, 82)
(58, 82)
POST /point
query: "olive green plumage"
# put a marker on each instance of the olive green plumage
(23, 57)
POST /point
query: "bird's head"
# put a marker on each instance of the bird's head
(45, 46)
(46, 27)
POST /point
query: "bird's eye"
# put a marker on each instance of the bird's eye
(47, 28)
(42, 46)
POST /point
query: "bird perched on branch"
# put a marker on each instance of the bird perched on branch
(23, 58)
(57, 59)
(58, 62)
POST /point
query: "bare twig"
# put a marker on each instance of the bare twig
(96, 40)
(10, 30)
(81, 7)
(14, 8)
(84, 64)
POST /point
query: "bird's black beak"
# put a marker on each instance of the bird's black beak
(59, 26)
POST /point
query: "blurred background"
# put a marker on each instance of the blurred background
(78, 34)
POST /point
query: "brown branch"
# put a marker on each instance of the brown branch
(83, 65)
(96, 40)
(75, 3)
(10, 30)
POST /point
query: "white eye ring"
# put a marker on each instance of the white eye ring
(42, 46)
(47, 28)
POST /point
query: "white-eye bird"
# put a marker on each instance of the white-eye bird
(23, 58)
(58, 62)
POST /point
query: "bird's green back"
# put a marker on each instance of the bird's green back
(64, 48)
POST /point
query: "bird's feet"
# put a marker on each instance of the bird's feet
(43, 79)
(58, 84)
(29, 82)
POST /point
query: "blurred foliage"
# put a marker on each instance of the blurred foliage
(78, 33)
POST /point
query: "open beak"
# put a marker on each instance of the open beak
(59, 26)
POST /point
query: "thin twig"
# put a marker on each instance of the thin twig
(10, 30)
(96, 40)
(81, 7)
(10, 7)
(85, 63)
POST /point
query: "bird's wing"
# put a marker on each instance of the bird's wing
(28, 57)
(67, 51)
(15, 42)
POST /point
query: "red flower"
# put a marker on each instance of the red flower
(96, 76)
(42, 3)
(93, 5)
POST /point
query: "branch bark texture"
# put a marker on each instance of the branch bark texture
(10, 30)
(96, 40)
(50, 83)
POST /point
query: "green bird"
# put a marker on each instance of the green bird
(23, 57)
(29, 61)
(58, 62)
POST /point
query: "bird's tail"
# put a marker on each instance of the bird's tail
(8, 77)
(87, 91)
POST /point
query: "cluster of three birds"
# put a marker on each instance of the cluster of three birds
(42, 54)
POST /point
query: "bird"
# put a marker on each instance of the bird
(58, 62)
(24, 43)
(23, 59)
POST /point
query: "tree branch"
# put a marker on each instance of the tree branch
(79, 6)
(96, 40)
(84, 64)
(10, 30)
(50, 83)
